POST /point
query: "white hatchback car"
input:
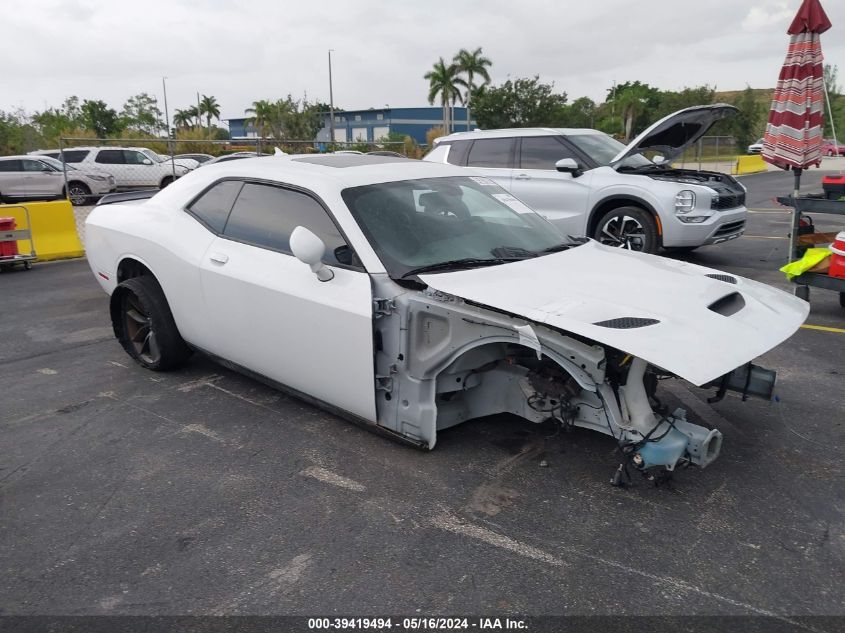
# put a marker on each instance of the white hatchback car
(412, 296)
(588, 183)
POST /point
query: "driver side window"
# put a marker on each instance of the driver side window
(134, 158)
(266, 215)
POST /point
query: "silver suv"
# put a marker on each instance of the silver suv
(588, 183)
(41, 178)
(130, 166)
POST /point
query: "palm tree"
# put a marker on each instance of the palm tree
(211, 109)
(268, 117)
(444, 80)
(472, 64)
(184, 118)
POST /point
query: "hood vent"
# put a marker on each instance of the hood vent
(728, 305)
(726, 278)
(627, 323)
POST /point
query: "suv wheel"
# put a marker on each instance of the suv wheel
(166, 181)
(78, 193)
(628, 227)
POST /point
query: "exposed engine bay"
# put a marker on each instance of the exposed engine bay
(442, 360)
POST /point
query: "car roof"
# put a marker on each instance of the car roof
(517, 131)
(324, 174)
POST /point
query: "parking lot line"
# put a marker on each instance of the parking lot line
(765, 237)
(823, 328)
(770, 210)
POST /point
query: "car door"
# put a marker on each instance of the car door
(12, 178)
(113, 162)
(492, 157)
(268, 312)
(141, 169)
(41, 179)
(561, 198)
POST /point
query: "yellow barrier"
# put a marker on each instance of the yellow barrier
(752, 164)
(53, 229)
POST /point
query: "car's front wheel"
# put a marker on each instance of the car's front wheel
(79, 193)
(144, 325)
(628, 227)
(166, 181)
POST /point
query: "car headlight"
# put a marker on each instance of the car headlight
(684, 201)
(97, 178)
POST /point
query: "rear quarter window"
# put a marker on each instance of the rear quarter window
(72, 155)
(212, 207)
(490, 152)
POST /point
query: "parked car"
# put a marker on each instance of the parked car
(200, 158)
(832, 148)
(756, 147)
(42, 178)
(131, 167)
(588, 183)
(188, 163)
(413, 296)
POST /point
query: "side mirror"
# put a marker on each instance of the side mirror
(147, 161)
(569, 166)
(309, 249)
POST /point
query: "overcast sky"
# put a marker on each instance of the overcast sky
(264, 49)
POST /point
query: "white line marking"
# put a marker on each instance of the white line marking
(452, 524)
(327, 476)
(205, 381)
(116, 364)
(203, 430)
(47, 371)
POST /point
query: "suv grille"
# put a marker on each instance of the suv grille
(728, 201)
(730, 228)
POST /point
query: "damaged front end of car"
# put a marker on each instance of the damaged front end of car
(442, 360)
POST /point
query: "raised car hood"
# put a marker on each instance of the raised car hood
(576, 289)
(673, 134)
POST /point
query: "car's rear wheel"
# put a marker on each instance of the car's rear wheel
(830, 152)
(145, 327)
(78, 193)
(628, 227)
(166, 181)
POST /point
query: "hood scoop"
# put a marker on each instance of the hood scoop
(728, 279)
(627, 323)
(728, 305)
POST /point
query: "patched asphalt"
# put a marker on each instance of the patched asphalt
(204, 492)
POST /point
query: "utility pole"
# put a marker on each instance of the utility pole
(331, 102)
(167, 122)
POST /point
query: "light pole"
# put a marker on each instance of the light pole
(331, 102)
(167, 122)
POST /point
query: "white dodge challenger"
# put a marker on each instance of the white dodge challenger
(412, 296)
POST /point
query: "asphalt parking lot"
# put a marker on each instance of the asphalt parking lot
(205, 492)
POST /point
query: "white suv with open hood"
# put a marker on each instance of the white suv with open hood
(587, 183)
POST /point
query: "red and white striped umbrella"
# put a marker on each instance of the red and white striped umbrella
(793, 136)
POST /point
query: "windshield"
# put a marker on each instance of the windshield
(415, 224)
(156, 158)
(55, 164)
(603, 149)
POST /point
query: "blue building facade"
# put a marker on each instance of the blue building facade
(373, 124)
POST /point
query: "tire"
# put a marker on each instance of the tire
(830, 152)
(78, 193)
(144, 325)
(165, 181)
(628, 227)
(803, 292)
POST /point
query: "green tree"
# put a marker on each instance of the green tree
(749, 124)
(268, 118)
(141, 114)
(633, 101)
(670, 101)
(184, 119)
(99, 118)
(518, 103)
(472, 64)
(53, 123)
(209, 107)
(443, 80)
(834, 122)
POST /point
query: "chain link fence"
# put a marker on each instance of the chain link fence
(714, 153)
